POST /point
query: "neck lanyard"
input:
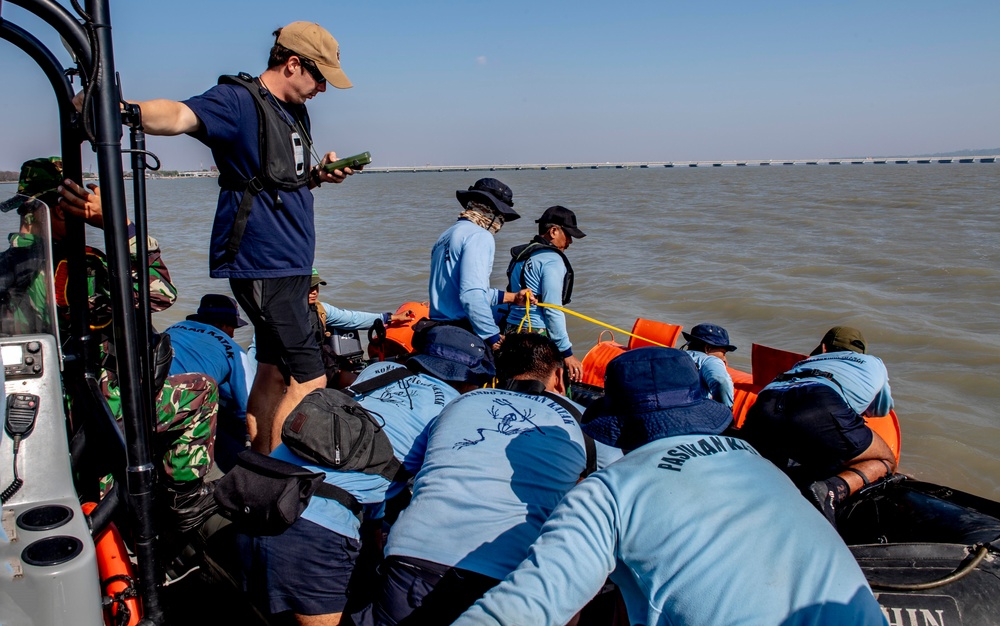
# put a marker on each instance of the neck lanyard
(289, 119)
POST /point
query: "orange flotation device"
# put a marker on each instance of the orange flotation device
(646, 333)
(398, 338)
(115, 569)
(596, 360)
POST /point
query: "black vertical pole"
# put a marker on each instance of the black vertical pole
(141, 472)
(144, 321)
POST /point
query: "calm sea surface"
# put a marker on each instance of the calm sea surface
(908, 253)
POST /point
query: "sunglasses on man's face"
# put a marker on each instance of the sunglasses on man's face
(313, 70)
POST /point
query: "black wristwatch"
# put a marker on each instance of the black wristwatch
(314, 175)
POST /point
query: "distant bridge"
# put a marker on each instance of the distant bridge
(628, 165)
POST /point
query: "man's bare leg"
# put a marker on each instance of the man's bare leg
(329, 619)
(266, 394)
(293, 395)
(875, 462)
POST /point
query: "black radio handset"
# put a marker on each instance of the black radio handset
(22, 409)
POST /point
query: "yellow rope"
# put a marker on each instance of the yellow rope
(527, 316)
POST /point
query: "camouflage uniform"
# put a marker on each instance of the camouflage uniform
(188, 404)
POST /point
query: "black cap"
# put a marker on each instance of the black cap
(562, 217)
(492, 192)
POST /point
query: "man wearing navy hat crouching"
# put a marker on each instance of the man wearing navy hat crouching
(694, 527)
(708, 344)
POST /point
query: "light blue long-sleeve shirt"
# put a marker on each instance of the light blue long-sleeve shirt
(459, 286)
(715, 378)
(496, 464)
(205, 349)
(407, 406)
(543, 274)
(697, 530)
(861, 379)
(343, 319)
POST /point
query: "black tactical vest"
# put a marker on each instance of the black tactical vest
(538, 244)
(284, 145)
(283, 140)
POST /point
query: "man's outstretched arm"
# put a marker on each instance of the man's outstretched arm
(168, 117)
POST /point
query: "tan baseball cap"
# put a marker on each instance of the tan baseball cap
(316, 44)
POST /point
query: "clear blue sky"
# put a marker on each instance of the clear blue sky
(440, 82)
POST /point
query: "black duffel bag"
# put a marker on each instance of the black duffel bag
(264, 495)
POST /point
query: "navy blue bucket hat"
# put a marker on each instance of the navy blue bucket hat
(453, 354)
(492, 192)
(216, 307)
(712, 334)
(652, 393)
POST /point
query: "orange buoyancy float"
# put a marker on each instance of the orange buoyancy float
(649, 331)
(398, 339)
(596, 360)
(113, 565)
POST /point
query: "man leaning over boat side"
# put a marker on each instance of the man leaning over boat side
(810, 420)
(462, 261)
(694, 527)
(497, 461)
(263, 237)
(708, 344)
(186, 405)
(542, 266)
(306, 569)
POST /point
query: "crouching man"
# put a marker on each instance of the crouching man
(694, 527)
(305, 571)
(497, 462)
(810, 420)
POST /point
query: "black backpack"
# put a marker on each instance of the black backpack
(331, 429)
(265, 495)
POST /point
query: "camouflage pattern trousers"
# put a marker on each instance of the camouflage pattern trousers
(186, 412)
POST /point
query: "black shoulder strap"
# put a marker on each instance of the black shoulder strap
(333, 492)
(588, 441)
(808, 373)
(384, 379)
(393, 470)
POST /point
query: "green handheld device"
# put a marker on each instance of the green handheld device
(352, 162)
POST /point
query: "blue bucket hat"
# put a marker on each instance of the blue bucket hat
(492, 192)
(652, 393)
(712, 334)
(453, 354)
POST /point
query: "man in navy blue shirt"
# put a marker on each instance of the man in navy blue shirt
(263, 237)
